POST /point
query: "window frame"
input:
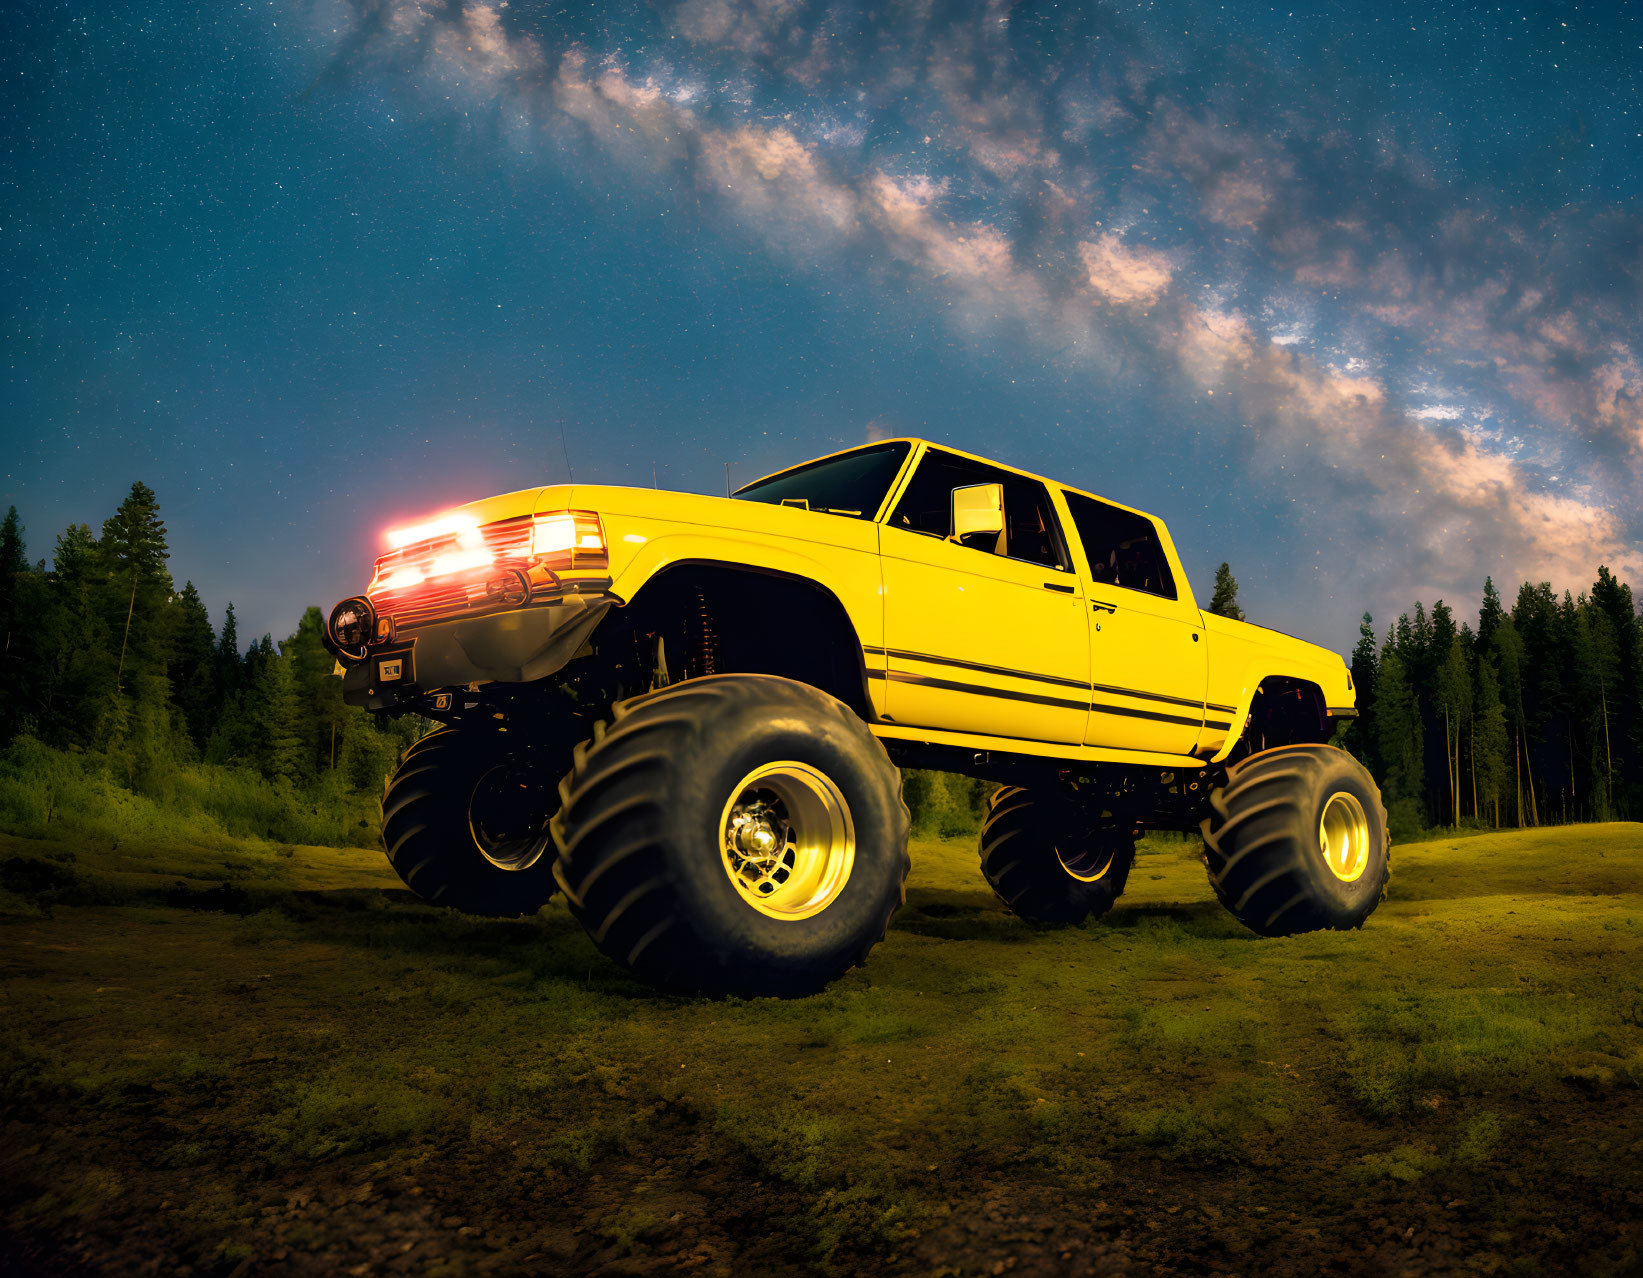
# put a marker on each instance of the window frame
(1169, 569)
(1058, 537)
(879, 514)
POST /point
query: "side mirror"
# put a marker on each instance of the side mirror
(978, 511)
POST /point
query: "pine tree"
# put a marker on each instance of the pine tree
(229, 662)
(1535, 619)
(76, 672)
(325, 719)
(1418, 650)
(1613, 599)
(1422, 659)
(133, 551)
(134, 536)
(73, 558)
(14, 644)
(278, 717)
(1508, 654)
(1365, 664)
(14, 558)
(1489, 616)
(1443, 634)
(1455, 696)
(237, 735)
(134, 591)
(1574, 654)
(1489, 740)
(1599, 668)
(1399, 731)
(193, 664)
(1224, 602)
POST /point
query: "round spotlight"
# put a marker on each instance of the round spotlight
(512, 589)
(352, 624)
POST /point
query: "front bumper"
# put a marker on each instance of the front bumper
(517, 646)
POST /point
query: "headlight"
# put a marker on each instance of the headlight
(569, 539)
(351, 627)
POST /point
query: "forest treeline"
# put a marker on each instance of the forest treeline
(122, 708)
(1534, 717)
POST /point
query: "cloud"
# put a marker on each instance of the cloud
(1459, 507)
(1125, 274)
(1617, 397)
(879, 428)
(1234, 172)
(779, 185)
(749, 26)
(477, 45)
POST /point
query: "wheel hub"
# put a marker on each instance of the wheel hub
(757, 829)
(506, 819)
(787, 841)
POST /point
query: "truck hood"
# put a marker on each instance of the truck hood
(1264, 637)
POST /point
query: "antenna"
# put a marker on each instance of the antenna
(569, 473)
(727, 479)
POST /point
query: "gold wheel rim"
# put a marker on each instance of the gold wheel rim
(1083, 875)
(786, 840)
(1343, 834)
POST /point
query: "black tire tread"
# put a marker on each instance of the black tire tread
(1025, 873)
(609, 814)
(417, 833)
(1253, 848)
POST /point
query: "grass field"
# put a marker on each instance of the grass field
(270, 1058)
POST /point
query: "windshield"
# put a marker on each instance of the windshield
(850, 484)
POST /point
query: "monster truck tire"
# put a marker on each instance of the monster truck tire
(1047, 864)
(465, 821)
(659, 830)
(1297, 842)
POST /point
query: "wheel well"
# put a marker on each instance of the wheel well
(714, 618)
(1284, 711)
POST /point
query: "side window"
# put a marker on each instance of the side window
(1030, 531)
(1122, 547)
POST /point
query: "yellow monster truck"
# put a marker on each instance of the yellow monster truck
(688, 712)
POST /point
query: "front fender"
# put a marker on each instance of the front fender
(850, 574)
(1253, 678)
(1242, 656)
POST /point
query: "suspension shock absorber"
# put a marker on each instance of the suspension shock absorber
(705, 640)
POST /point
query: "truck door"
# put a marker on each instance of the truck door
(986, 633)
(1148, 653)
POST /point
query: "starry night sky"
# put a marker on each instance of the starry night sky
(1348, 294)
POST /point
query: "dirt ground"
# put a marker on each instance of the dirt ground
(275, 1061)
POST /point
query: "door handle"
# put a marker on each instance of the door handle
(1111, 609)
(1052, 585)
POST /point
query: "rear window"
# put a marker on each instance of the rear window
(1122, 546)
(852, 484)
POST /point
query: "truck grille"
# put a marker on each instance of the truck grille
(451, 574)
